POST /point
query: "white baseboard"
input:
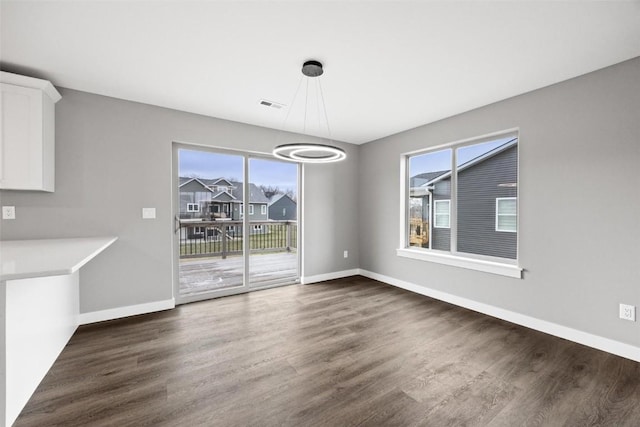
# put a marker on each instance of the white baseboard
(130, 310)
(329, 276)
(611, 346)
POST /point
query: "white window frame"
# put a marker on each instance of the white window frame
(498, 214)
(495, 265)
(263, 209)
(250, 209)
(435, 213)
(191, 206)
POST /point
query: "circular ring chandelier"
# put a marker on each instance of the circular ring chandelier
(307, 152)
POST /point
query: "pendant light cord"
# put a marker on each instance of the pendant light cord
(295, 95)
(306, 105)
(324, 108)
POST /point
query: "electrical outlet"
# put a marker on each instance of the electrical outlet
(346, 254)
(8, 212)
(628, 312)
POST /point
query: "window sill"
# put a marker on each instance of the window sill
(501, 269)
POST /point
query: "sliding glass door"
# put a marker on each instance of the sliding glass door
(273, 222)
(236, 223)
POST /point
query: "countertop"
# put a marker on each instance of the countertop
(21, 259)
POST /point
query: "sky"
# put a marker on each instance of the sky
(441, 160)
(204, 164)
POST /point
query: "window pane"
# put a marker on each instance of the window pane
(273, 258)
(487, 187)
(442, 214)
(507, 206)
(429, 181)
(507, 222)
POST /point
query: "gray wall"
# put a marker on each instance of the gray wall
(113, 157)
(579, 190)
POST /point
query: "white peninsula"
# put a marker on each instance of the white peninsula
(39, 296)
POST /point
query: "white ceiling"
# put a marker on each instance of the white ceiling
(389, 66)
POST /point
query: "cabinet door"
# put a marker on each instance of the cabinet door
(21, 144)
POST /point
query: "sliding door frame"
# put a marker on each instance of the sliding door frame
(246, 243)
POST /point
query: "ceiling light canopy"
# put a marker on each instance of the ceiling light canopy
(307, 152)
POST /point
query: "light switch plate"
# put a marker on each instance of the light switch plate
(148, 213)
(8, 212)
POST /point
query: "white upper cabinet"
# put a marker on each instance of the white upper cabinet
(27, 141)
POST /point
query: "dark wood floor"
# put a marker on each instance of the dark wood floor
(345, 352)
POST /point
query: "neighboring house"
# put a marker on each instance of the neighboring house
(220, 199)
(282, 207)
(487, 194)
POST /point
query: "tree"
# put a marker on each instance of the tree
(270, 190)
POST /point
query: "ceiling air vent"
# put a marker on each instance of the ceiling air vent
(271, 104)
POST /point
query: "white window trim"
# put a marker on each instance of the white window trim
(498, 199)
(250, 209)
(191, 206)
(435, 212)
(502, 269)
(263, 209)
(446, 258)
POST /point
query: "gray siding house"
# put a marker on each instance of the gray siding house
(487, 197)
(220, 198)
(282, 207)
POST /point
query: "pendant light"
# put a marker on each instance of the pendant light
(307, 152)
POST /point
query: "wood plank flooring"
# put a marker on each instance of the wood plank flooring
(349, 352)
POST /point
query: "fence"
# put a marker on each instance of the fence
(222, 238)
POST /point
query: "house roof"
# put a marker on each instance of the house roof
(223, 180)
(491, 153)
(219, 195)
(279, 196)
(423, 178)
(256, 195)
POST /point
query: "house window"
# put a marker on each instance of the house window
(241, 209)
(442, 213)
(257, 227)
(250, 209)
(461, 203)
(506, 214)
(193, 207)
(263, 209)
(284, 212)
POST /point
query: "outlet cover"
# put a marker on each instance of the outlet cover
(148, 213)
(628, 312)
(8, 212)
(346, 254)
